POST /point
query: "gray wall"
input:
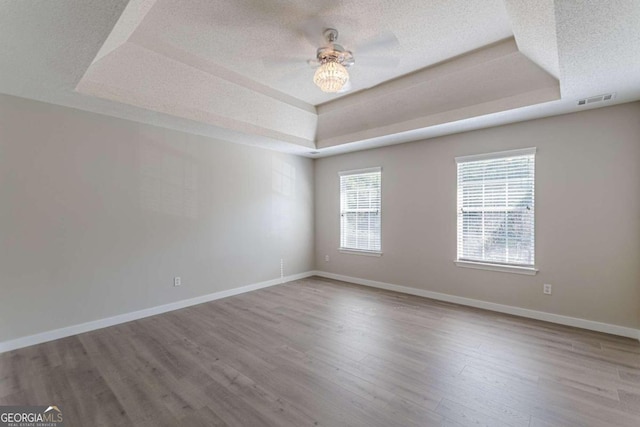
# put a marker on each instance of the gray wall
(587, 215)
(97, 215)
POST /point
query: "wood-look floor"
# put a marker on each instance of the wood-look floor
(318, 352)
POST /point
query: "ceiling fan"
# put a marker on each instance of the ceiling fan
(332, 62)
(332, 59)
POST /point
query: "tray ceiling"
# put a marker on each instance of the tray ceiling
(237, 35)
(199, 65)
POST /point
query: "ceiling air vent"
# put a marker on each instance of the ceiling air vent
(599, 98)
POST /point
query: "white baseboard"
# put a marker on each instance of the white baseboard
(501, 308)
(127, 317)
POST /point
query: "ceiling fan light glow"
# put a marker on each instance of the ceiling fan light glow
(331, 76)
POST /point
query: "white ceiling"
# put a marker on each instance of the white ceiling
(239, 34)
(197, 65)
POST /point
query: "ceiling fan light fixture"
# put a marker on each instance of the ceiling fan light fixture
(331, 76)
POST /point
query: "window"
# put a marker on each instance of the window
(496, 208)
(360, 210)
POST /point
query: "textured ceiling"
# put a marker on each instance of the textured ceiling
(598, 47)
(197, 65)
(534, 24)
(240, 34)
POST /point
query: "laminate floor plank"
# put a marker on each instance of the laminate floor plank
(319, 352)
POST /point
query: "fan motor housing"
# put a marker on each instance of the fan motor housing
(335, 53)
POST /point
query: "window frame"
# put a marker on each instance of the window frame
(357, 251)
(490, 265)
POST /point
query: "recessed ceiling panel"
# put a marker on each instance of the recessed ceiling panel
(240, 35)
(236, 71)
(491, 79)
(137, 76)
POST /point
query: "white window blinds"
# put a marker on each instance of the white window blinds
(360, 209)
(496, 207)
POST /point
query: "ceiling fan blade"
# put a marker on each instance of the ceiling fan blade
(279, 62)
(312, 29)
(286, 77)
(377, 61)
(380, 43)
(346, 88)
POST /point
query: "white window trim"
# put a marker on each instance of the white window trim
(360, 171)
(354, 251)
(360, 252)
(479, 265)
(496, 155)
(503, 268)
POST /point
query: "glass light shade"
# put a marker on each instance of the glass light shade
(331, 77)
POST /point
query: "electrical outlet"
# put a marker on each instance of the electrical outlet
(546, 288)
(326, 258)
(177, 281)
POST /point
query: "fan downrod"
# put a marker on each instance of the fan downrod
(331, 34)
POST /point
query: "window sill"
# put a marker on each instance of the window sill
(359, 252)
(530, 271)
